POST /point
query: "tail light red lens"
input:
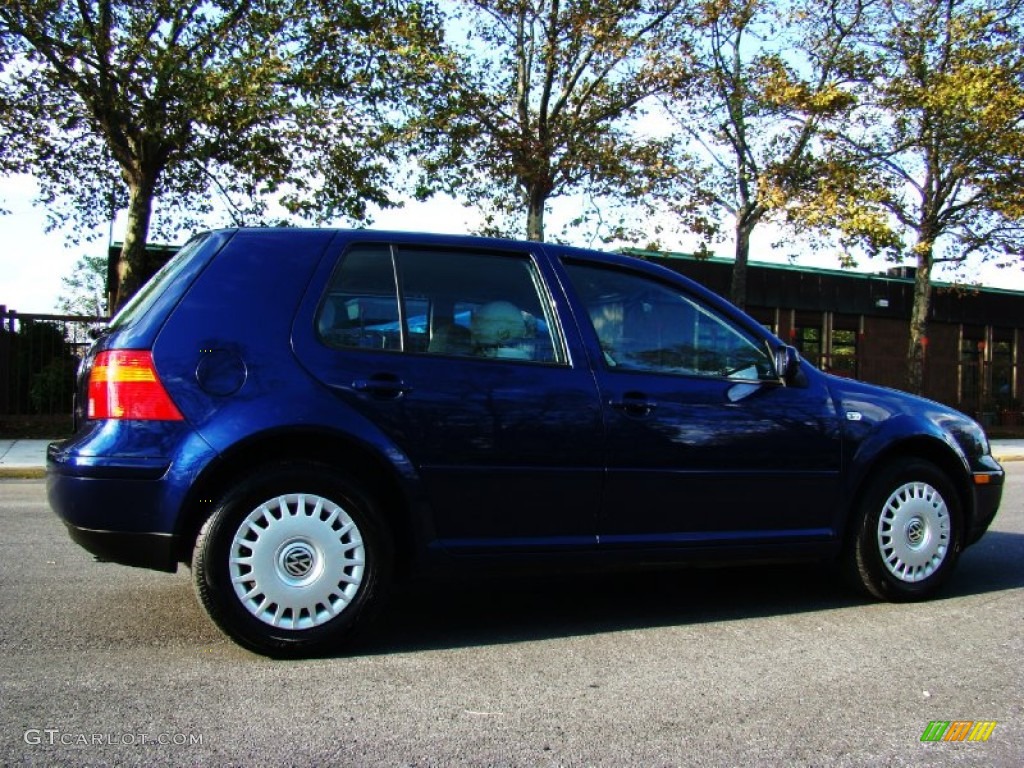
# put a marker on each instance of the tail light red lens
(123, 384)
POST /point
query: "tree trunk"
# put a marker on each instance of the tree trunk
(918, 349)
(536, 200)
(132, 267)
(738, 289)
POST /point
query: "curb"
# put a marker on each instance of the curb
(22, 473)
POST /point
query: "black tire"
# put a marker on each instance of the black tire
(293, 561)
(907, 533)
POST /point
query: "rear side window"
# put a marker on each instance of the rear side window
(439, 302)
(147, 296)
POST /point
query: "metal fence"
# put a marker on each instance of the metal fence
(39, 356)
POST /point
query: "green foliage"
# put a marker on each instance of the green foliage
(892, 126)
(936, 136)
(838, 199)
(212, 107)
(767, 75)
(41, 371)
(85, 289)
(538, 100)
(51, 389)
(937, 127)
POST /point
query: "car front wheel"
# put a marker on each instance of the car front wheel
(292, 561)
(908, 532)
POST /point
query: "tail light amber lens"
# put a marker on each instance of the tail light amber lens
(123, 384)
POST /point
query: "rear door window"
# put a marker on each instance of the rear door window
(440, 302)
(361, 308)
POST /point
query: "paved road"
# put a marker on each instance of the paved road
(106, 665)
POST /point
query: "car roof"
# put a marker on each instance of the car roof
(556, 251)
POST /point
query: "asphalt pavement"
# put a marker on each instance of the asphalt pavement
(782, 665)
(27, 458)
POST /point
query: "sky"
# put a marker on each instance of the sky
(32, 261)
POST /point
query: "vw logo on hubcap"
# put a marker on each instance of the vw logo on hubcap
(915, 532)
(297, 561)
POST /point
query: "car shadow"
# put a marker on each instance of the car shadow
(483, 610)
(994, 563)
(444, 613)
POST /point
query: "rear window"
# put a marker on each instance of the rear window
(139, 304)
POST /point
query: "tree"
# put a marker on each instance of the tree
(119, 102)
(538, 102)
(767, 74)
(939, 127)
(85, 289)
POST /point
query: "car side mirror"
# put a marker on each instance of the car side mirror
(787, 366)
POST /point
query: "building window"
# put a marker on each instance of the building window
(1004, 384)
(807, 336)
(843, 345)
(972, 366)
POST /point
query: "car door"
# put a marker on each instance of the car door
(705, 445)
(459, 356)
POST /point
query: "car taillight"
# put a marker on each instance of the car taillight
(123, 384)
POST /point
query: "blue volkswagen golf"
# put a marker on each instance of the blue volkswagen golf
(302, 416)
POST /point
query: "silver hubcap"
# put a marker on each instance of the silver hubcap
(297, 561)
(914, 532)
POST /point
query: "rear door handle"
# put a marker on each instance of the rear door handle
(385, 386)
(634, 404)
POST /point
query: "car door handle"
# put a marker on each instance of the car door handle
(385, 386)
(634, 404)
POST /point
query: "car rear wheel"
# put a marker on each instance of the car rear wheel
(908, 533)
(292, 561)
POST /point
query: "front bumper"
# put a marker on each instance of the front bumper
(988, 493)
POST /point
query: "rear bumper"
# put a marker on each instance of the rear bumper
(122, 501)
(114, 514)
